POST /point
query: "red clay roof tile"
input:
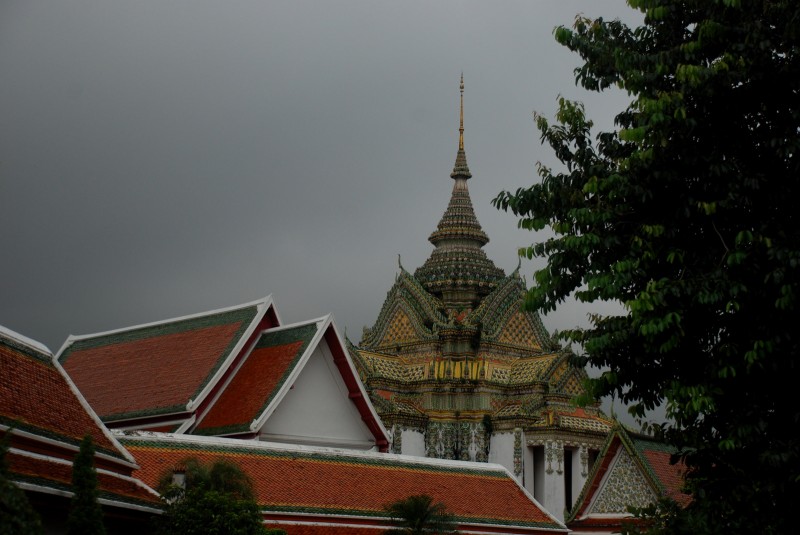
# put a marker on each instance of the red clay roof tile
(35, 397)
(334, 483)
(257, 381)
(154, 369)
(58, 475)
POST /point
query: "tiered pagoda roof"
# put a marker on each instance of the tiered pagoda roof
(452, 341)
(458, 262)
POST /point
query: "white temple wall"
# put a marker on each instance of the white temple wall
(501, 452)
(413, 442)
(317, 410)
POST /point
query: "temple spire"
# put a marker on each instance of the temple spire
(461, 123)
(460, 169)
(458, 270)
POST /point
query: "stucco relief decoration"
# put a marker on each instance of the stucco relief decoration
(584, 453)
(479, 443)
(624, 486)
(397, 439)
(548, 455)
(559, 452)
(466, 438)
(517, 451)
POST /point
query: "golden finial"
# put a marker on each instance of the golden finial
(461, 124)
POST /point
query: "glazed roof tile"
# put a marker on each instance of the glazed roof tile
(258, 380)
(528, 370)
(56, 474)
(160, 367)
(337, 482)
(670, 477)
(37, 397)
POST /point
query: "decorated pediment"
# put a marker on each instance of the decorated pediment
(624, 486)
(407, 315)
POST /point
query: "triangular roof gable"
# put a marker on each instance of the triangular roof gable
(43, 406)
(655, 469)
(270, 370)
(332, 487)
(501, 306)
(406, 294)
(164, 367)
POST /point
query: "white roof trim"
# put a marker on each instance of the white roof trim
(259, 421)
(24, 340)
(56, 460)
(85, 404)
(266, 303)
(201, 440)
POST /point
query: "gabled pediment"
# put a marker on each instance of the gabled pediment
(296, 385)
(631, 471)
(505, 322)
(622, 486)
(408, 314)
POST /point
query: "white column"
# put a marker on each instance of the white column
(580, 469)
(554, 478)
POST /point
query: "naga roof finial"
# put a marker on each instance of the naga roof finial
(461, 123)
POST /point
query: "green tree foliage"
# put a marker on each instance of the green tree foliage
(16, 514)
(85, 514)
(686, 215)
(214, 499)
(416, 515)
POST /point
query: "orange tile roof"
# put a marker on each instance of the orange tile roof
(154, 369)
(331, 482)
(257, 381)
(671, 476)
(49, 473)
(35, 397)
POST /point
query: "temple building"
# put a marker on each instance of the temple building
(457, 370)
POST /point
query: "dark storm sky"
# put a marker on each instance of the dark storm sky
(161, 158)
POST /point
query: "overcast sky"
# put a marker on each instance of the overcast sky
(162, 157)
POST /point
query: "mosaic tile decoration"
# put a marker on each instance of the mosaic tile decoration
(624, 486)
(518, 331)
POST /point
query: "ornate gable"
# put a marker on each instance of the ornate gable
(632, 470)
(623, 486)
(407, 315)
(518, 331)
